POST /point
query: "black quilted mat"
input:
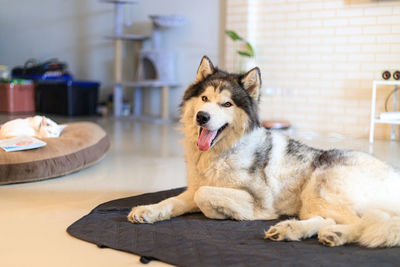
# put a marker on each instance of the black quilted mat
(193, 240)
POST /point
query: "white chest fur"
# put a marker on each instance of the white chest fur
(231, 168)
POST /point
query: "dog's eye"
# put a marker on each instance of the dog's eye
(204, 98)
(227, 104)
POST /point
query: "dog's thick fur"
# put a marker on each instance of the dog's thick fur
(250, 173)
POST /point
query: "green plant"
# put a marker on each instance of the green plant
(249, 51)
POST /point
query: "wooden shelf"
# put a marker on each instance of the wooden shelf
(374, 118)
(378, 120)
(387, 82)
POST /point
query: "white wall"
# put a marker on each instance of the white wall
(73, 31)
(319, 58)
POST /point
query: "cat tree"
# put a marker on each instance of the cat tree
(156, 67)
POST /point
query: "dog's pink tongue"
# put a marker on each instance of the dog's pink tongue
(205, 139)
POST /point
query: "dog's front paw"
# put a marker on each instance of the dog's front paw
(146, 214)
(286, 230)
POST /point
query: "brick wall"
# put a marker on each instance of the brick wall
(319, 58)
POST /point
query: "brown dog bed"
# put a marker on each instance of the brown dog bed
(80, 145)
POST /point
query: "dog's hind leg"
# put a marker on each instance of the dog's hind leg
(376, 228)
(226, 203)
(323, 221)
(325, 199)
(295, 230)
(339, 234)
(324, 210)
(317, 215)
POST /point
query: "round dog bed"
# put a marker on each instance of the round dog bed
(80, 145)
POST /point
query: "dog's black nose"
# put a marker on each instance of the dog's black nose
(202, 117)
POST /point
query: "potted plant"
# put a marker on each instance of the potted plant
(244, 51)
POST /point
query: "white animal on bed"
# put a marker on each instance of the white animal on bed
(38, 126)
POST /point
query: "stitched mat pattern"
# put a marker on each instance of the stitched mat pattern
(194, 240)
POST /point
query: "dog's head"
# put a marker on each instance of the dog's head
(220, 106)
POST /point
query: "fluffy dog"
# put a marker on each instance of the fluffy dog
(238, 170)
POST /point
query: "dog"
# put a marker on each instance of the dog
(238, 170)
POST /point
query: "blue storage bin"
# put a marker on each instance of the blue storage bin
(70, 98)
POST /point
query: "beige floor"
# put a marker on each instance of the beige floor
(143, 157)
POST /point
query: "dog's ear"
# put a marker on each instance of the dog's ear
(206, 68)
(251, 81)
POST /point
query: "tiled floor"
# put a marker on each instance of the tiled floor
(143, 157)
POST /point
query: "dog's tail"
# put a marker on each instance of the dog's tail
(380, 229)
